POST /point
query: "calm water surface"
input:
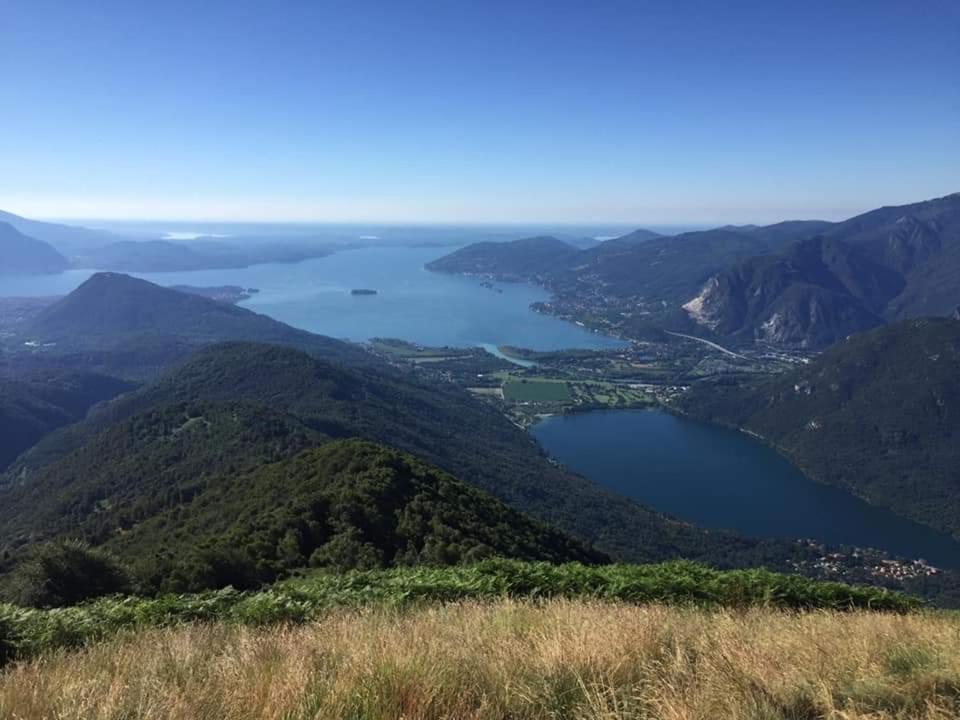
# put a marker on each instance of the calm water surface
(412, 303)
(719, 478)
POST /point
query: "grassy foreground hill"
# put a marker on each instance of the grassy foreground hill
(877, 414)
(26, 632)
(520, 641)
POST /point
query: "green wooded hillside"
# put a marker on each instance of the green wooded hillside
(145, 440)
(35, 403)
(877, 414)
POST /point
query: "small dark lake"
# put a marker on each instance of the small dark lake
(720, 478)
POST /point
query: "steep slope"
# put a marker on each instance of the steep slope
(816, 293)
(516, 260)
(891, 263)
(35, 404)
(143, 464)
(641, 264)
(661, 269)
(348, 504)
(636, 283)
(877, 414)
(22, 254)
(439, 423)
(124, 325)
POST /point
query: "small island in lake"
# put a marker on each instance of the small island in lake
(363, 291)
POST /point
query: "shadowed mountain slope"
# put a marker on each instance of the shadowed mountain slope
(877, 414)
(888, 264)
(20, 253)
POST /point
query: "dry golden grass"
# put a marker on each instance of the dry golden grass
(510, 660)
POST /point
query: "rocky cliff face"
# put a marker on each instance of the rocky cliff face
(889, 264)
(813, 295)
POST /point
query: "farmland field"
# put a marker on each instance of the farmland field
(538, 391)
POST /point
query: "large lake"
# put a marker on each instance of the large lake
(719, 478)
(412, 303)
(713, 477)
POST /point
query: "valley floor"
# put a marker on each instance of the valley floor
(510, 659)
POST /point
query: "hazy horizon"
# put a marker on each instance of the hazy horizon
(179, 222)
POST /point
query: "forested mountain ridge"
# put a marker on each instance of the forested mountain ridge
(637, 282)
(877, 414)
(146, 251)
(888, 264)
(515, 260)
(35, 403)
(810, 296)
(122, 325)
(797, 283)
(313, 401)
(639, 263)
(20, 253)
(346, 504)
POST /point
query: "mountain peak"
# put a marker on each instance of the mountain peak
(158, 326)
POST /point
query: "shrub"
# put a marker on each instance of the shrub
(8, 637)
(68, 572)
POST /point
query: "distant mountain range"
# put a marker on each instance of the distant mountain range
(67, 239)
(877, 414)
(796, 283)
(87, 248)
(22, 254)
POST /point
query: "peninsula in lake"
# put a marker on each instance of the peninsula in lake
(795, 284)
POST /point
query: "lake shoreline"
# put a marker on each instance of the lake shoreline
(819, 500)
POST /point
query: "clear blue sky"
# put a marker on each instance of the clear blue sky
(487, 111)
